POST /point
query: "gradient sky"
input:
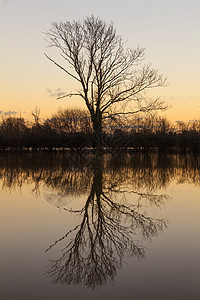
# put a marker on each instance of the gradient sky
(169, 31)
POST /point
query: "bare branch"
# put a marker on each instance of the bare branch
(70, 95)
(62, 68)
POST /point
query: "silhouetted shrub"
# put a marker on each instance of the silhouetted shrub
(71, 129)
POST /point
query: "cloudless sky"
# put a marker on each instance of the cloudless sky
(168, 30)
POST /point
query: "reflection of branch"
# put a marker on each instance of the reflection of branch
(102, 239)
(148, 226)
(62, 238)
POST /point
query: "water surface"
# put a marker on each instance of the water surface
(125, 226)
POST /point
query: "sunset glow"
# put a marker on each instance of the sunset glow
(169, 31)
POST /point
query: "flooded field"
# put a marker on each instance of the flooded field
(121, 226)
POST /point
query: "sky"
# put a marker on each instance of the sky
(168, 30)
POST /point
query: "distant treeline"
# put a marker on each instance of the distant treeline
(72, 130)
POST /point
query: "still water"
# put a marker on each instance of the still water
(121, 227)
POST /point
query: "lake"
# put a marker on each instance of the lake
(125, 225)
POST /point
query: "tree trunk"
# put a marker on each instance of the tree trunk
(97, 133)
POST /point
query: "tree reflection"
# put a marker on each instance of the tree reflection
(119, 194)
(108, 232)
(73, 174)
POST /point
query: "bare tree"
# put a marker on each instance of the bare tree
(36, 114)
(110, 76)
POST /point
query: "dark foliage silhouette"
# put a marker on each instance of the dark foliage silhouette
(71, 130)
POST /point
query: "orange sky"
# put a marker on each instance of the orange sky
(169, 32)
